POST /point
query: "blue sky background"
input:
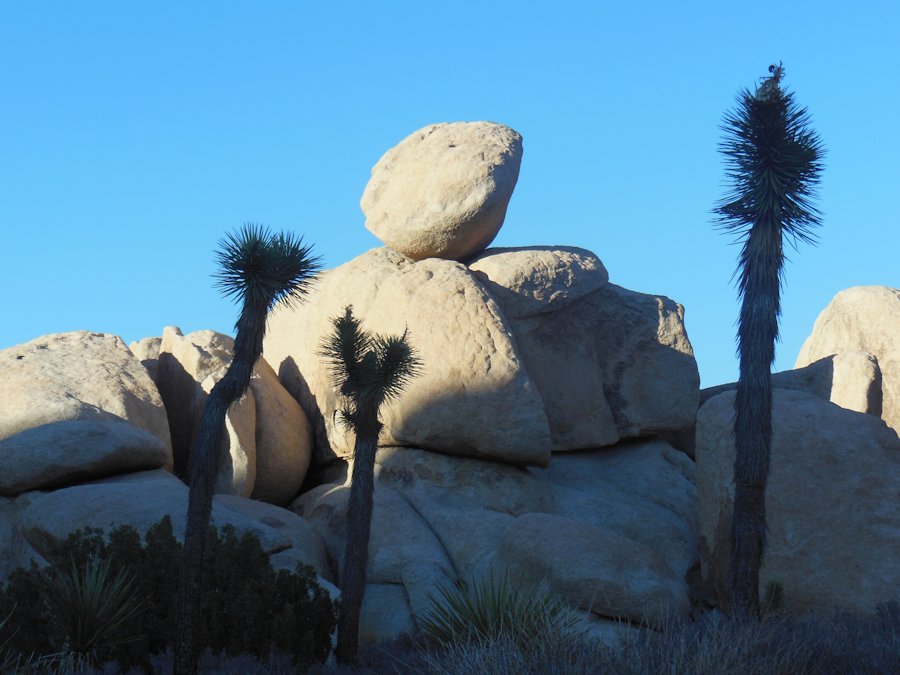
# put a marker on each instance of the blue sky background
(134, 135)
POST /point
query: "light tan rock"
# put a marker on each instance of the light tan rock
(442, 192)
(77, 377)
(866, 319)
(402, 548)
(851, 380)
(283, 439)
(642, 490)
(473, 396)
(592, 568)
(609, 363)
(147, 351)
(833, 515)
(538, 279)
(184, 363)
(467, 503)
(141, 500)
(77, 450)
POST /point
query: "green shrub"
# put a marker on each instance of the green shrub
(486, 609)
(249, 608)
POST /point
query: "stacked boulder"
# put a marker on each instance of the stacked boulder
(832, 497)
(86, 441)
(529, 442)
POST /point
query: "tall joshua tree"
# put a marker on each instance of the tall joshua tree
(774, 163)
(368, 370)
(258, 269)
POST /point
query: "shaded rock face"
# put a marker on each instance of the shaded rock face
(442, 192)
(555, 359)
(45, 519)
(831, 503)
(76, 406)
(609, 363)
(472, 398)
(439, 518)
(268, 445)
(864, 319)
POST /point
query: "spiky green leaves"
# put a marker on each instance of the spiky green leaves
(774, 163)
(368, 369)
(260, 268)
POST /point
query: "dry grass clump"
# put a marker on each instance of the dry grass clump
(843, 643)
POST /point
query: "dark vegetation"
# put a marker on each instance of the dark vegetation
(249, 608)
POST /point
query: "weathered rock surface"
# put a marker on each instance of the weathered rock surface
(473, 396)
(142, 499)
(442, 192)
(592, 568)
(283, 439)
(184, 364)
(93, 385)
(269, 439)
(866, 319)
(642, 490)
(147, 351)
(831, 503)
(538, 279)
(76, 450)
(851, 380)
(402, 548)
(609, 363)
(439, 518)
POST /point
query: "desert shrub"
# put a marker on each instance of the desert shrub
(489, 608)
(249, 608)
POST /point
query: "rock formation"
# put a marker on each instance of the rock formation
(831, 503)
(442, 192)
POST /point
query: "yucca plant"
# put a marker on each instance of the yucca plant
(92, 604)
(368, 370)
(258, 269)
(774, 162)
(491, 608)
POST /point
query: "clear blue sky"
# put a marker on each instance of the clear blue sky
(134, 135)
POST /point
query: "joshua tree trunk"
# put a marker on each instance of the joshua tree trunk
(359, 518)
(758, 330)
(203, 467)
(774, 163)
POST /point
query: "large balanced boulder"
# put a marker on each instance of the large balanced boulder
(609, 363)
(473, 397)
(75, 406)
(865, 319)
(269, 440)
(442, 192)
(832, 505)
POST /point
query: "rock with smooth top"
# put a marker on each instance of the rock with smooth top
(442, 192)
(832, 508)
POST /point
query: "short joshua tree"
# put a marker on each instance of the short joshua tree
(368, 370)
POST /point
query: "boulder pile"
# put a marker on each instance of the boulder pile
(533, 442)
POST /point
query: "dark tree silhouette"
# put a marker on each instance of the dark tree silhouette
(774, 163)
(368, 370)
(258, 269)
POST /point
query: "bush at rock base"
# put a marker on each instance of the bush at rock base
(249, 608)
